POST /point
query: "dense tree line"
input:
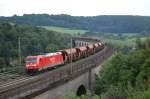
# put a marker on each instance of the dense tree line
(33, 41)
(119, 24)
(126, 76)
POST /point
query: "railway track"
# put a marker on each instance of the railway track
(26, 86)
(7, 76)
(13, 82)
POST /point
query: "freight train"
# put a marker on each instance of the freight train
(52, 60)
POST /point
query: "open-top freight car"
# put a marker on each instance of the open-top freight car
(69, 54)
(90, 49)
(82, 51)
(96, 46)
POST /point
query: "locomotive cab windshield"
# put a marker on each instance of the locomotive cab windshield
(28, 60)
(31, 61)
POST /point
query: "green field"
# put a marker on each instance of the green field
(65, 30)
(125, 39)
(126, 42)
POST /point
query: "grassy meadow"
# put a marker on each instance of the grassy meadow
(65, 30)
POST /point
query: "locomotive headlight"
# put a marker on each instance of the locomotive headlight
(27, 65)
(33, 64)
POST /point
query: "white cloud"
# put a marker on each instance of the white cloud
(75, 7)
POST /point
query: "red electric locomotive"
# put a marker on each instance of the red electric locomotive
(40, 62)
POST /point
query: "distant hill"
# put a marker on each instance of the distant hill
(111, 23)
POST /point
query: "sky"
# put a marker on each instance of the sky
(75, 7)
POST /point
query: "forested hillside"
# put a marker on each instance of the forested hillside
(33, 41)
(126, 76)
(119, 24)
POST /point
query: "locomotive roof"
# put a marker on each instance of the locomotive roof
(47, 54)
(51, 54)
(34, 56)
(31, 56)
